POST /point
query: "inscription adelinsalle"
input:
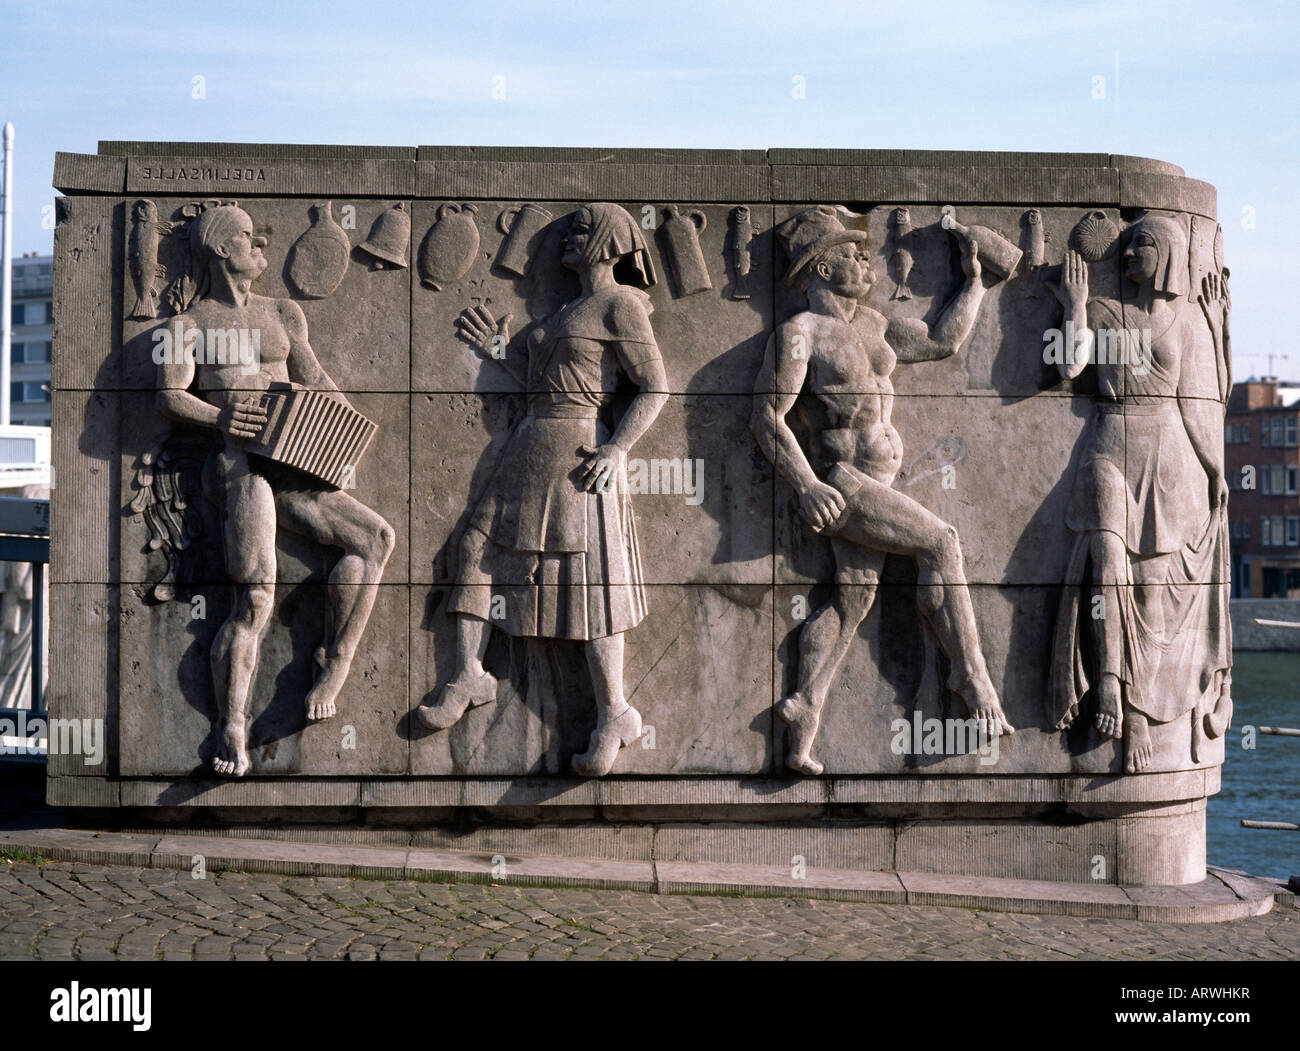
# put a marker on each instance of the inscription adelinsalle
(196, 172)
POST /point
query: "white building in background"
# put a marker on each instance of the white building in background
(33, 335)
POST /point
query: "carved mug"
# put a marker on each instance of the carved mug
(522, 224)
(681, 234)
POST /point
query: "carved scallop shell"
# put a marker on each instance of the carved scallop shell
(1094, 237)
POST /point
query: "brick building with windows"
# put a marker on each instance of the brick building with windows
(1262, 454)
(33, 332)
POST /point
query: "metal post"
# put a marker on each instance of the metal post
(7, 263)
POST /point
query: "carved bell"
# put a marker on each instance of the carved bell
(390, 237)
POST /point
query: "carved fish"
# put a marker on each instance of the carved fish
(742, 232)
(142, 246)
(1035, 239)
(900, 259)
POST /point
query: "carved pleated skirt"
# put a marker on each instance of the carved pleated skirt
(544, 558)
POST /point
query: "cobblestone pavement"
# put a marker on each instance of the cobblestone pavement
(62, 911)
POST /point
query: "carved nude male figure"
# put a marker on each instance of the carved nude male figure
(256, 494)
(839, 355)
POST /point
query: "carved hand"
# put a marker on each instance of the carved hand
(477, 328)
(970, 259)
(602, 467)
(1215, 303)
(1218, 492)
(242, 420)
(1072, 290)
(821, 504)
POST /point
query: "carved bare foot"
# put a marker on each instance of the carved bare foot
(1110, 710)
(803, 720)
(1137, 743)
(1067, 720)
(983, 706)
(606, 740)
(329, 680)
(456, 698)
(232, 759)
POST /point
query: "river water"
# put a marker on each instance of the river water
(1262, 783)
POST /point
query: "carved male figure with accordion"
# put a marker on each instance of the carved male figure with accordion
(290, 440)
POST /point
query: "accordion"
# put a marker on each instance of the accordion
(315, 433)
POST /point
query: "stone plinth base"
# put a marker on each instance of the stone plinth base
(1133, 831)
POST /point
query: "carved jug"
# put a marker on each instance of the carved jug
(449, 247)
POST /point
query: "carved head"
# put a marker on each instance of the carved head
(222, 237)
(820, 248)
(1157, 252)
(599, 232)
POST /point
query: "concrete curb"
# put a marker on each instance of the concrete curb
(1224, 895)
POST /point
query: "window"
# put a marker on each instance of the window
(1228, 431)
(1292, 480)
(1278, 471)
(44, 270)
(1264, 475)
(28, 392)
(1277, 430)
(1265, 531)
(49, 312)
(20, 353)
(1293, 431)
(18, 314)
(1292, 531)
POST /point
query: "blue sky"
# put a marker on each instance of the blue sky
(1214, 87)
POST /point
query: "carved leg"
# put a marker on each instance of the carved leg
(944, 601)
(1109, 559)
(472, 685)
(823, 645)
(883, 518)
(248, 529)
(234, 663)
(335, 519)
(617, 722)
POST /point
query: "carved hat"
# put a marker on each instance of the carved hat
(810, 233)
(1171, 251)
(615, 234)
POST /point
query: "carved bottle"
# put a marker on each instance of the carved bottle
(318, 260)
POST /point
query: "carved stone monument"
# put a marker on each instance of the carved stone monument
(866, 506)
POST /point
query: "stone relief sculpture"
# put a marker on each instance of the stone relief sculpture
(839, 355)
(318, 260)
(681, 250)
(389, 240)
(741, 232)
(522, 225)
(146, 231)
(240, 400)
(552, 542)
(1143, 629)
(448, 249)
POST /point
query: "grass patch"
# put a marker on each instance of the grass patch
(12, 857)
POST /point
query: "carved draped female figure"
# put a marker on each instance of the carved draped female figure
(551, 548)
(1143, 624)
